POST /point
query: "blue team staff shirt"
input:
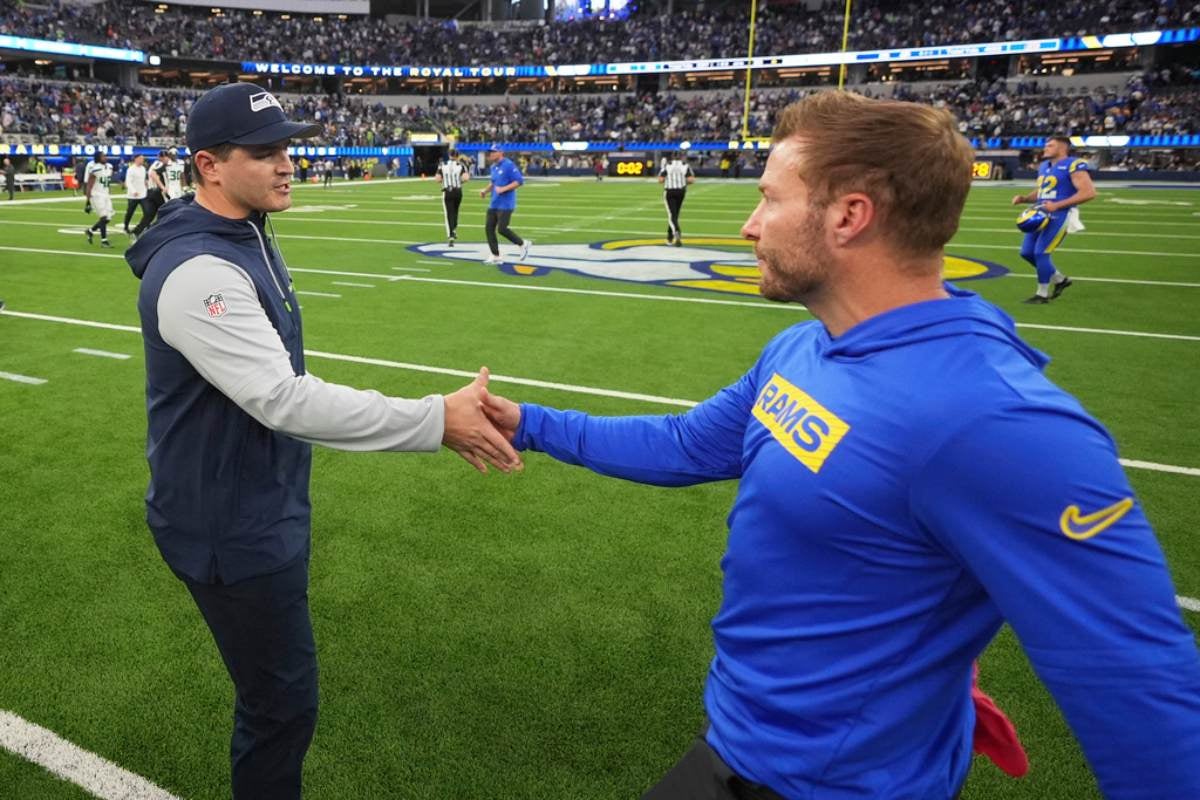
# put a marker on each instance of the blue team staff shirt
(505, 172)
(1054, 179)
(904, 489)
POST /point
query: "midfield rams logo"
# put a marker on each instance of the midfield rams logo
(715, 263)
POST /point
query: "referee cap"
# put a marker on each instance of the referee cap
(241, 113)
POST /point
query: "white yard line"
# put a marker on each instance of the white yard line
(62, 252)
(351, 283)
(72, 763)
(1109, 332)
(565, 387)
(1135, 464)
(1188, 603)
(1069, 250)
(15, 378)
(589, 229)
(658, 297)
(1028, 275)
(601, 293)
(87, 351)
(318, 294)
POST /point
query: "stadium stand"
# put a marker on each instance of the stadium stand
(1124, 92)
(53, 111)
(647, 35)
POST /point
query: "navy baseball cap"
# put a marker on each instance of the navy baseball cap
(241, 113)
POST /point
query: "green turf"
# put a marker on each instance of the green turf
(543, 635)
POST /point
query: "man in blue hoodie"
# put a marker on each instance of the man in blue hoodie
(503, 181)
(909, 480)
(233, 414)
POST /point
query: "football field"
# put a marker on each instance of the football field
(485, 637)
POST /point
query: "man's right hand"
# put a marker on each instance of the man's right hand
(1018, 199)
(504, 413)
(87, 206)
(469, 432)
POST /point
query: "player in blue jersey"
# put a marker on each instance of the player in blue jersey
(1063, 185)
(908, 481)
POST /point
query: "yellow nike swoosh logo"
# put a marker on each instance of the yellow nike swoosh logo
(1079, 526)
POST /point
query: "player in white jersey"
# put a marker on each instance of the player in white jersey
(173, 175)
(97, 176)
(136, 189)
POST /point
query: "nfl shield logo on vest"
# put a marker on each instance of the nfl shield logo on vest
(215, 304)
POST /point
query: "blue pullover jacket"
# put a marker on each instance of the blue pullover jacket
(904, 489)
(228, 497)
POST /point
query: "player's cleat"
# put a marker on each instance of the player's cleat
(678, 242)
(88, 234)
(525, 250)
(126, 229)
(493, 260)
(132, 237)
(1060, 287)
(450, 241)
(1037, 300)
(105, 243)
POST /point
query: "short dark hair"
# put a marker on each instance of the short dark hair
(855, 144)
(1064, 139)
(219, 152)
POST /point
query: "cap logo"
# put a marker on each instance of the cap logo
(263, 100)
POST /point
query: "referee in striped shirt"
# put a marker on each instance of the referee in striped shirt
(675, 176)
(451, 174)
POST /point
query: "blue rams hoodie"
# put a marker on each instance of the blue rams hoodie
(232, 411)
(904, 489)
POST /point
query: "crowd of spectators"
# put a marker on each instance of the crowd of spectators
(87, 113)
(1144, 105)
(647, 35)
(65, 112)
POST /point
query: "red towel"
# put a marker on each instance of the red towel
(995, 735)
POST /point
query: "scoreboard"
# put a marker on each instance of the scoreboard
(630, 166)
(983, 170)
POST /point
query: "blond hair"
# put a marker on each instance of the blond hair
(908, 158)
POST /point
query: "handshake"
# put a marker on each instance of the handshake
(480, 426)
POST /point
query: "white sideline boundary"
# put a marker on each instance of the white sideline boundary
(564, 387)
(72, 763)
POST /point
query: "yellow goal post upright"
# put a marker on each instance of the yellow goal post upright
(750, 59)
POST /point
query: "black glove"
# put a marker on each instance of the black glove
(87, 207)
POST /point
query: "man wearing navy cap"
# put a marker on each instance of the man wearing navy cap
(506, 178)
(232, 417)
